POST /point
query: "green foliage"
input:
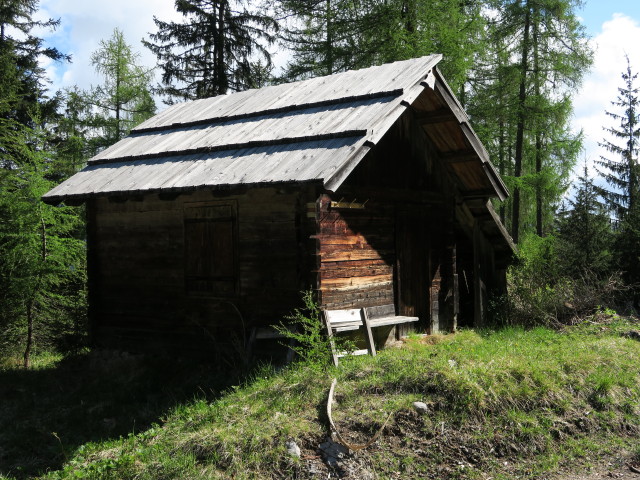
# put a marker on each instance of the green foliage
(539, 396)
(546, 288)
(42, 271)
(621, 172)
(585, 236)
(220, 46)
(309, 335)
(521, 101)
(124, 99)
(337, 35)
(23, 82)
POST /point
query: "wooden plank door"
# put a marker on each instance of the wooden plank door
(412, 264)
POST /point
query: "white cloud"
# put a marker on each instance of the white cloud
(619, 36)
(83, 24)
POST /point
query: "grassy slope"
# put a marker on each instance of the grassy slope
(507, 404)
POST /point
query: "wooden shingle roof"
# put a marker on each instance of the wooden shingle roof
(313, 130)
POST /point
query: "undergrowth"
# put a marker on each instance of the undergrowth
(512, 403)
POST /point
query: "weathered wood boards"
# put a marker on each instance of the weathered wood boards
(366, 319)
(368, 187)
(153, 280)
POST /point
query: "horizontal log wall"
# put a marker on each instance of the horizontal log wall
(355, 254)
(139, 299)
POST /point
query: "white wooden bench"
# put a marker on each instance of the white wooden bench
(366, 318)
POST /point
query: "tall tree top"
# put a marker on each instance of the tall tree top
(220, 46)
(23, 86)
(623, 141)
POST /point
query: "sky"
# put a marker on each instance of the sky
(612, 25)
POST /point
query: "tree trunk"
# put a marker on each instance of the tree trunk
(536, 81)
(27, 350)
(329, 45)
(522, 97)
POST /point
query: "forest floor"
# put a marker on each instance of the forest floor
(506, 404)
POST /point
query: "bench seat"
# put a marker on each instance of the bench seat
(337, 321)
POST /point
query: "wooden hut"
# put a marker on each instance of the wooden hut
(369, 187)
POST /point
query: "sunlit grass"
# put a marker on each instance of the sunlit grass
(538, 398)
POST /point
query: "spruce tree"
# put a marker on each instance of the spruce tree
(41, 255)
(584, 232)
(218, 48)
(621, 171)
(23, 82)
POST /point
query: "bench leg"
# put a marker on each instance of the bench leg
(334, 354)
(371, 346)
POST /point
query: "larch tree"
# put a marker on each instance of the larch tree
(124, 99)
(330, 36)
(545, 49)
(219, 47)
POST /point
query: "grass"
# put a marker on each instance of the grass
(512, 403)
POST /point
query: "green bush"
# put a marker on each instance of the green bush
(543, 292)
(310, 341)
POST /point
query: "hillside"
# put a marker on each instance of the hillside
(504, 404)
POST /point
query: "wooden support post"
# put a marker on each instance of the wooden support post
(478, 303)
(371, 346)
(456, 289)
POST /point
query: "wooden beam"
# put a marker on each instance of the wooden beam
(435, 116)
(460, 156)
(481, 193)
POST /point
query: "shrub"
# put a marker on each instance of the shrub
(311, 343)
(542, 292)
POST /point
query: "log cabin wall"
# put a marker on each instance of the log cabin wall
(149, 289)
(400, 247)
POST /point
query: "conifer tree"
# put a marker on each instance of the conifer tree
(332, 36)
(622, 174)
(215, 50)
(544, 48)
(41, 258)
(584, 232)
(23, 80)
(621, 171)
(124, 99)
(42, 261)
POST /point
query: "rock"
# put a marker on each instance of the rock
(421, 408)
(333, 452)
(292, 448)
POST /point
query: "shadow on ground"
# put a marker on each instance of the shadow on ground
(47, 413)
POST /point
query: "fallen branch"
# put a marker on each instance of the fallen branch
(342, 441)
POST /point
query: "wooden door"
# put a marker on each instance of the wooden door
(412, 263)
